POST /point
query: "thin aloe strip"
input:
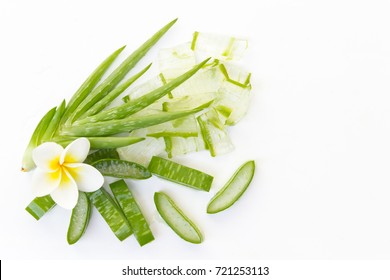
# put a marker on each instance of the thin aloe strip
(127, 124)
(122, 169)
(40, 206)
(176, 219)
(54, 123)
(180, 174)
(111, 213)
(79, 219)
(101, 154)
(233, 189)
(27, 161)
(105, 101)
(89, 84)
(119, 73)
(138, 104)
(103, 142)
(132, 211)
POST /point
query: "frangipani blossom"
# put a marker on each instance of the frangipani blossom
(61, 173)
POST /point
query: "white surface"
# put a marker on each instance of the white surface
(318, 126)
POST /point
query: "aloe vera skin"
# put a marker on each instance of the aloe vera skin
(79, 219)
(119, 73)
(142, 102)
(101, 154)
(132, 211)
(176, 219)
(122, 169)
(180, 174)
(39, 206)
(233, 189)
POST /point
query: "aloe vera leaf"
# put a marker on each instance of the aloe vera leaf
(132, 211)
(126, 124)
(233, 189)
(54, 123)
(102, 142)
(102, 103)
(89, 84)
(122, 169)
(138, 104)
(119, 73)
(180, 174)
(101, 154)
(40, 206)
(79, 219)
(36, 137)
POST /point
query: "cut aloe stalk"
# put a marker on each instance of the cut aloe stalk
(40, 206)
(122, 169)
(111, 213)
(176, 219)
(36, 138)
(184, 127)
(233, 189)
(177, 146)
(101, 154)
(180, 174)
(79, 219)
(214, 133)
(235, 75)
(130, 208)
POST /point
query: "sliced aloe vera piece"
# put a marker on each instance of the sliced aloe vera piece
(184, 127)
(101, 154)
(132, 211)
(121, 169)
(175, 61)
(180, 174)
(235, 75)
(111, 213)
(142, 152)
(219, 46)
(176, 219)
(233, 189)
(79, 219)
(40, 206)
(177, 146)
(214, 133)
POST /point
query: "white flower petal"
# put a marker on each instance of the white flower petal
(87, 177)
(47, 156)
(67, 194)
(77, 151)
(43, 183)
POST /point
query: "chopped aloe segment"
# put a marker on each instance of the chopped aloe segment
(178, 146)
(40, 206)
(111, 213)
(127, 124)
(219, 46)
(176, 219)
(102, 142)
(183, 127)
(214, 133)
(121, 169)
(119, 73)
(36, 139)
(79, 219)
(180, 174)
(175, 61)
(142, 152)
(101, 154)
(235, 75)
(132, 211)
(233, 189)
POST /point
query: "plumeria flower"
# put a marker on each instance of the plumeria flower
(61, 173)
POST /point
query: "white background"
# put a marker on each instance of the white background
(318, 126)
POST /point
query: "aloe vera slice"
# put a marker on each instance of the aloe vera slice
(180, 174)
(176, 219)
(122, 169)
(79, 219)
(111, 213)
(40, 206)
(101, 154)
(130, 208)
(233, 189)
